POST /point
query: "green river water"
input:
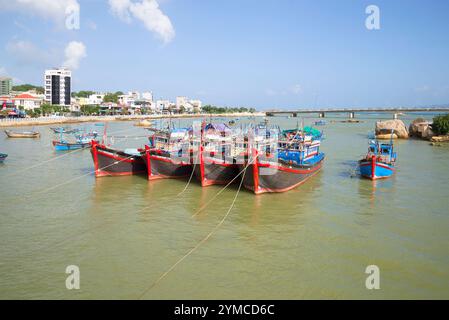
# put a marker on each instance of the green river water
(125, 233)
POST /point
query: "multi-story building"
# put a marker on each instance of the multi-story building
(57, 85)
(5, 86)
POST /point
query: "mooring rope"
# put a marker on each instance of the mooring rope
(191, 175)
(207, 237)
(227, 185)
(43, 162)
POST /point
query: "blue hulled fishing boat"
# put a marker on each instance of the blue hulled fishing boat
(379, 161)
(2, 157)
(64, 145)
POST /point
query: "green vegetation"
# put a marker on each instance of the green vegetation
(90, 109)
(82, 94)
(112, 97)
(47, 109)
(214, 109)
(440, 124)
(26, 87)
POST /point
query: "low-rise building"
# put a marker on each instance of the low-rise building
(27, 101)
(96, 98)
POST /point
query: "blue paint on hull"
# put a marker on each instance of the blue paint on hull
(67, 147)
(381, 170)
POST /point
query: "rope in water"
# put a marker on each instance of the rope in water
(207, 237)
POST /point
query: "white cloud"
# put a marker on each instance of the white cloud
(4, 73)
(74, 52)
(26, 52)
(47, 9)
(148, 12)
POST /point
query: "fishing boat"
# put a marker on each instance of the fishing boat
(63, 145)
(64, 130)
(3, 157)
(379, 162)
(169, 154)
(92, 135)
(274, 165)
(113, 162)
(23, 134)
(320, 123)
(217, 164)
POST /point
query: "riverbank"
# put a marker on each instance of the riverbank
(71, 120)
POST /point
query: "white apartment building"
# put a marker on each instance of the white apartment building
(181, 102)
(162, 105)
(57, 85)
(148, 96)
(96, 98)
(188, 105)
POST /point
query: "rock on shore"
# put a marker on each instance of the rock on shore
(420, 128)
(384, 128)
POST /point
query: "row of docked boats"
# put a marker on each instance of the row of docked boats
(266, 158)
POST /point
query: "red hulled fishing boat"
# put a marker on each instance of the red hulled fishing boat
(168, 155)
(112, 162)
(281, 166)
(217, 165)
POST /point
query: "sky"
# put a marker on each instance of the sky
(267, 54)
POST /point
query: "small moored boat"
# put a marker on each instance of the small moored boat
(379, 162)
(3, 157)
(64, 130)
(63, 145)
(23, 134)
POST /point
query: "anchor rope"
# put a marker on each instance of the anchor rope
(207, 237)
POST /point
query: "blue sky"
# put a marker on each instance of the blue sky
(266, 54)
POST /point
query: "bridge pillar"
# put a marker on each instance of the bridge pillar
(351, 115)
(294, 114)
(395, 116)
(321, 115)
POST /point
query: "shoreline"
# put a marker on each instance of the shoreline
(24, 122)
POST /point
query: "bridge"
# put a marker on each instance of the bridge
(351, 111)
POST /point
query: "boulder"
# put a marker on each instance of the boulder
(398, 127)
(420, 128)
(386, 136)
(440, 138)
(143, 123)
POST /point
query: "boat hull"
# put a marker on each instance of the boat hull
(213, 171)
(60, 146)
(112, 162)
(11, 134)
(372, 169)
(159, 165)
(262, 177)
